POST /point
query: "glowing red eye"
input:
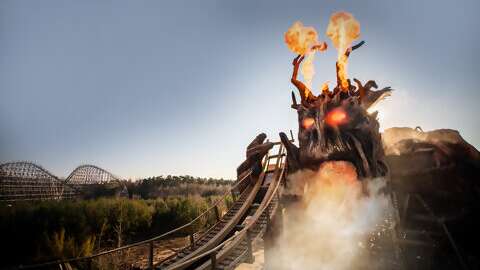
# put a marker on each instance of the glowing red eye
(336, 117)
(307, 122)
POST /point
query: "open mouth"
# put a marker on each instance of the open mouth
(345, 147)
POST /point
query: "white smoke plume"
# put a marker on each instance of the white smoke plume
(333, 226)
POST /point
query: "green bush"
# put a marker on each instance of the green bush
(40, 231)
(61, 246)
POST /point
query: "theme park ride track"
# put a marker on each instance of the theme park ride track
(239, 247)
(244, 191)
(243, 185)
(27, 181)
(237, 216)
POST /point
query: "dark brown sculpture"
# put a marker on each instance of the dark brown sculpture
(336, 126)
(256, 150)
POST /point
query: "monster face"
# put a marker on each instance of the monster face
(337, 127)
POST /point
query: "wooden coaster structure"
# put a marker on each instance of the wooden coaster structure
(228, 242)
(27, 181)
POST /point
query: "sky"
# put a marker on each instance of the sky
(146, 88)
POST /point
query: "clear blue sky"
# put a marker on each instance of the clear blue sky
(147, 88)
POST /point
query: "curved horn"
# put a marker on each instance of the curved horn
(361, 89)
(370, 84)
(305, 93)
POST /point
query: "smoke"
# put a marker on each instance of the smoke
(332, 227)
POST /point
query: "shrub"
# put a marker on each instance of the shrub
(40, 231)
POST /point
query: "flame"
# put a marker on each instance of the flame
(308, 69)
(303, 40)
(336, 177)
(325, 89)
(331, 172)
(343, 29)
(300, 39)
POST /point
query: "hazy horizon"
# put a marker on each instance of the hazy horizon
(154, 88)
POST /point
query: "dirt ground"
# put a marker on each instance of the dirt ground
(257, 265)
(162, 250)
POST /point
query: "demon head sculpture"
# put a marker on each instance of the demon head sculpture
(335, 126)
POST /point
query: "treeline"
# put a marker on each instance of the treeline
(40, 231)
(165, 186)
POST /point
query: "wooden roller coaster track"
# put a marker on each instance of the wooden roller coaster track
(251, 194)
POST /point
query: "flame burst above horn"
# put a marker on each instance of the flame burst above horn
(303, 40)
(343, 29)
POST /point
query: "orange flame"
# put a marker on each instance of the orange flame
(300, 39)
(303, 40)
(343, 29)
(325, 89)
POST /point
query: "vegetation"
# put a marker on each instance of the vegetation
(41, 231)
(163, 186)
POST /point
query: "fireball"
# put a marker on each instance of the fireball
(343, 29)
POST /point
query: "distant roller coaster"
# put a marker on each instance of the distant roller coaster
(22, 181)
(90, 174)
